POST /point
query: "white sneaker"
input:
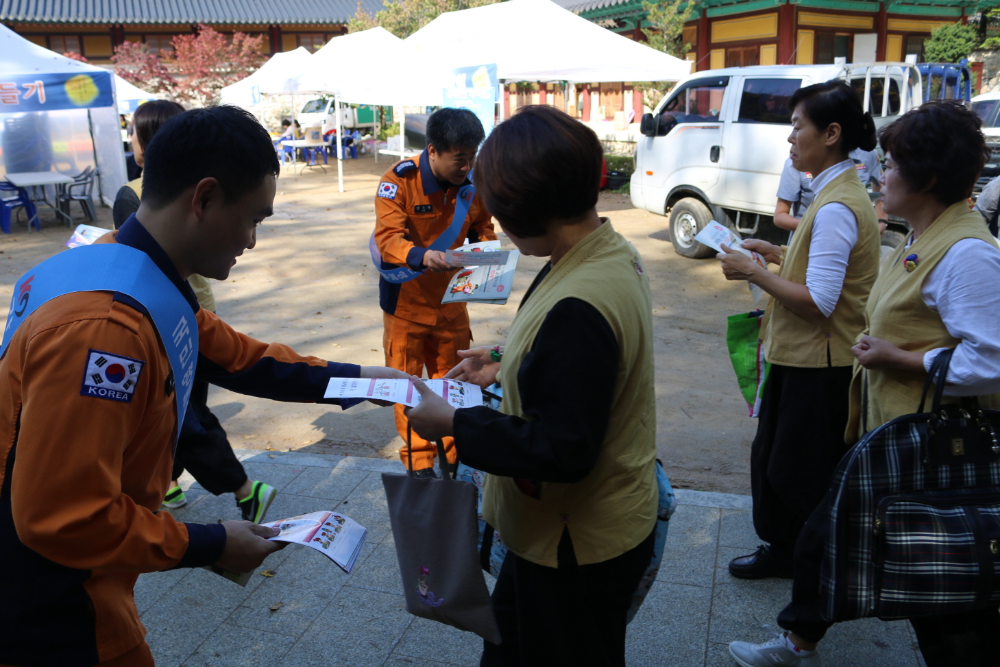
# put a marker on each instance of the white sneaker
(771, 653)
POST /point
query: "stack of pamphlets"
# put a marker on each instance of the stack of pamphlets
(715, 235)
(458, 394)
(334, 535)
(486, 274)
(85, 235)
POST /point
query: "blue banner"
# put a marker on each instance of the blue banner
(55, 91)
(474, 88)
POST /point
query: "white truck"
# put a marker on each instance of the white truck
(321, 112)
(715, 146)
(988, 108)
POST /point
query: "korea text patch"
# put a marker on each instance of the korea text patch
(110, 376)
(387, 190)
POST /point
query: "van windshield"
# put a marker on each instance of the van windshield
(314, 106)
(987, 111)
(698, 102)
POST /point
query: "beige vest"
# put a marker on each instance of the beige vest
(897, 313)
(202, 288)
(614, 508)
(791, 340)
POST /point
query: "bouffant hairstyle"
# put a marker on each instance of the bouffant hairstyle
(938, 148)
(835, 102)
(538, 166)
(150, 116)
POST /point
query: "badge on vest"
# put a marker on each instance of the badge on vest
(110, 376)
(387, 190)
(423, 208)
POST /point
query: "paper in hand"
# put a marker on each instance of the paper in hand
(715, 235)
(485, 253)
(458, 394)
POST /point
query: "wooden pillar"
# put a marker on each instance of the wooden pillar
(542, 90)
(586, 102)
(274, 37)
(637, 104)
(786, 34)
(704, 41)
(506, 102)
(117, 36)
(881, 29)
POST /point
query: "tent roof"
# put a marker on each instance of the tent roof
(128, 97)
(129, 12)
(537, 40)
(274, 76)
(24, 57)
(350, 60)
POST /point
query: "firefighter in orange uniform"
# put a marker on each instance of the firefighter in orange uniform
(415, 207)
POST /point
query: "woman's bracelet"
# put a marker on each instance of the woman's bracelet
(496, 354)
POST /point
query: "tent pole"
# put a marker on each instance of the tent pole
(295, 137)
(340, 143)
(93, 144)
(402, 132)
(375, 132)
(566, 97)
(502, 113)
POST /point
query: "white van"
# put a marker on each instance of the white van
(321, 112)
(988, 108)
(715, 146)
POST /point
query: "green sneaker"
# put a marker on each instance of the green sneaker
(175, 498)
(255, 506)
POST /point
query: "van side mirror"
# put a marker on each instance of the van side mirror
(648, 125)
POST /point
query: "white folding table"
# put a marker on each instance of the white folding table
(39, 179)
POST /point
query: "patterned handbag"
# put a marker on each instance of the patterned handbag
(914, 514)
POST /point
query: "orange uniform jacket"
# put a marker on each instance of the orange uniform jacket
(83, 476)
(412, 210)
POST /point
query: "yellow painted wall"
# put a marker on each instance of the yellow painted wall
(806, 46)
(743, 29)
(769, 54)
(36, 39)
(835, 21)
(97, 45)
(717, 59)
(691, 57)
(915, 25)
(288, 43)
(894, 48)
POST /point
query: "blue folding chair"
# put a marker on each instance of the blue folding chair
(20, 199)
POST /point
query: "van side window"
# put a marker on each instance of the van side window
(875, 98)
(697, 102)
(766, 100)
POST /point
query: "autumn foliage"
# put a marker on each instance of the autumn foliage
(196, 70)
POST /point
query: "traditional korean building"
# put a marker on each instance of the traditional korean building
(93, 29)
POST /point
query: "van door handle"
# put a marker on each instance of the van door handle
(713, 154)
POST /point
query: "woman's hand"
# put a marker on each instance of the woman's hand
(770, 252)
(737, 266)
(382, 372)
(477, 367)
(433, 418)
(875, 353)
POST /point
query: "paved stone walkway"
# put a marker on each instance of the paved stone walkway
(327, 618)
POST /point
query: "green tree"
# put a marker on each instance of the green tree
(950, 43)
(666, 33)
(404, 17)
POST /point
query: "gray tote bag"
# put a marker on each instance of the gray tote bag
(436, 534)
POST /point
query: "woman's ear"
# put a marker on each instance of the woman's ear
(832, 134)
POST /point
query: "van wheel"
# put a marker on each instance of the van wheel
(688, 217)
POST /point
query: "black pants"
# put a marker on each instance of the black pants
(967, 639)
(570, 615)
(799, 442)
(204, 450)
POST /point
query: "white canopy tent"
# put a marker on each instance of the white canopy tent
(58, 114)
(128, 97)
(537, 40)
(275, 77)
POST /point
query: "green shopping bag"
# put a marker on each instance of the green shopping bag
(747, 354)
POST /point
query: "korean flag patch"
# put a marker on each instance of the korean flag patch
(110, 376)
(387, 190)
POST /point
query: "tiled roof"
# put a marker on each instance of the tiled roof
(586, 5)
(213, 12)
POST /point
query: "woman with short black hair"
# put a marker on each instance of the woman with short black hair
(814, 317)
(571, 484)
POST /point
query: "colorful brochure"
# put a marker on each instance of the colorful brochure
(478, 254)
(483, 284)
(458, 394)
(85, 235)
(715, 235)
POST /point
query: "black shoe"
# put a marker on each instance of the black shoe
(425, 473)
(761, 564)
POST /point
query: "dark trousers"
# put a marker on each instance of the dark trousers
(570, 615)
(799, 442)
(967, 639)
(204, 450)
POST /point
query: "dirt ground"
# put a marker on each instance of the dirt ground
(309, 283)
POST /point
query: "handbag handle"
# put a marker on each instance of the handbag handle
(937, 374)
(442, 456)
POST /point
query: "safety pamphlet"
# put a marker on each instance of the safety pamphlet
(458, 394)
(334, 535)
(715, 235)
(478, 254)
(85, 235)
(485, 283)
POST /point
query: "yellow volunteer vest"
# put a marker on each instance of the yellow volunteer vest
(897, 313)
(614, 508)
(791, 340)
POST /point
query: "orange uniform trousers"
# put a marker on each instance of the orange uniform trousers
(410, 346)
(140, 656)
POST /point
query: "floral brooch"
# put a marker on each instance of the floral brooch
(911, 262)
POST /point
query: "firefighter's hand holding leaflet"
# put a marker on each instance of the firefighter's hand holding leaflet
(433, 418)
(382, 372)
(435, 261)
(247, 546)
(477, 367)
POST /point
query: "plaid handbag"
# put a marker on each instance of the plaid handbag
(913, 514)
